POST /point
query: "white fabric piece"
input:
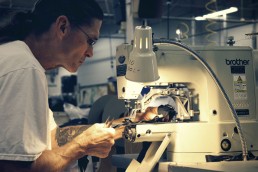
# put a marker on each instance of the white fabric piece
(162, 100)
(24, 111)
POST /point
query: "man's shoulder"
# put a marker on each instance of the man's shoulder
(16, 55)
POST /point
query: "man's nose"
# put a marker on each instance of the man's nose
(89, 52)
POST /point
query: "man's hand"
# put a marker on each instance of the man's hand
(96, 140)
(166, 112)
(149, 114)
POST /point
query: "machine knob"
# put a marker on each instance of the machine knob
(225, 145)
(130, 133)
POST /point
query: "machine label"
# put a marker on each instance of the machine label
(121, 70)
(242, 112)
(240, 89)
(237, 62)
(238, 69)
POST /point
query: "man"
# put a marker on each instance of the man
(56, 33)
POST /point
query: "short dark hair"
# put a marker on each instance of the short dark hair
(45, 12)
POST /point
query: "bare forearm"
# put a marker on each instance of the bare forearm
(64, 135)
(55, 160)
(72, 143)
(59, 158)
(65, 150)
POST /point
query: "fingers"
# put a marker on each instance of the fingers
(97, 140)
(149, 114)
(119, 132)
(100, 146)
(153, 110)
(101, 152)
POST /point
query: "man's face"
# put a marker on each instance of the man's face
(77, 45)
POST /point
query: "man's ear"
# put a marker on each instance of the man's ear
(62, 24)
(62, 27)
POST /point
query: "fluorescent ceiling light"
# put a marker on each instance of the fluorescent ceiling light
(216, 14)
(178, 31)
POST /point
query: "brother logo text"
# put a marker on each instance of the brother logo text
(237, 62)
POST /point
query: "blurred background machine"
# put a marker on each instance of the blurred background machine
(212, 128)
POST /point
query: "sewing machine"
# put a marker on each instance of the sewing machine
(203, 128)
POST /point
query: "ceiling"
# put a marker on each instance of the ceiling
(175, 9)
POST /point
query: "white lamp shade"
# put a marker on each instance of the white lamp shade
(142, 64)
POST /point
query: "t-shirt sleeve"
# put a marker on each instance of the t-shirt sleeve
(24, 115)
(52, 122)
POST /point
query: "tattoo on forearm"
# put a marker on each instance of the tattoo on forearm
(66, 134)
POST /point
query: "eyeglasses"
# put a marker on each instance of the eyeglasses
(90, 41)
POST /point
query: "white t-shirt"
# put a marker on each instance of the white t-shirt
(25, 118)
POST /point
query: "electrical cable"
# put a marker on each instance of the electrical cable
(168, 14)
(219, 85)
(242, 10)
